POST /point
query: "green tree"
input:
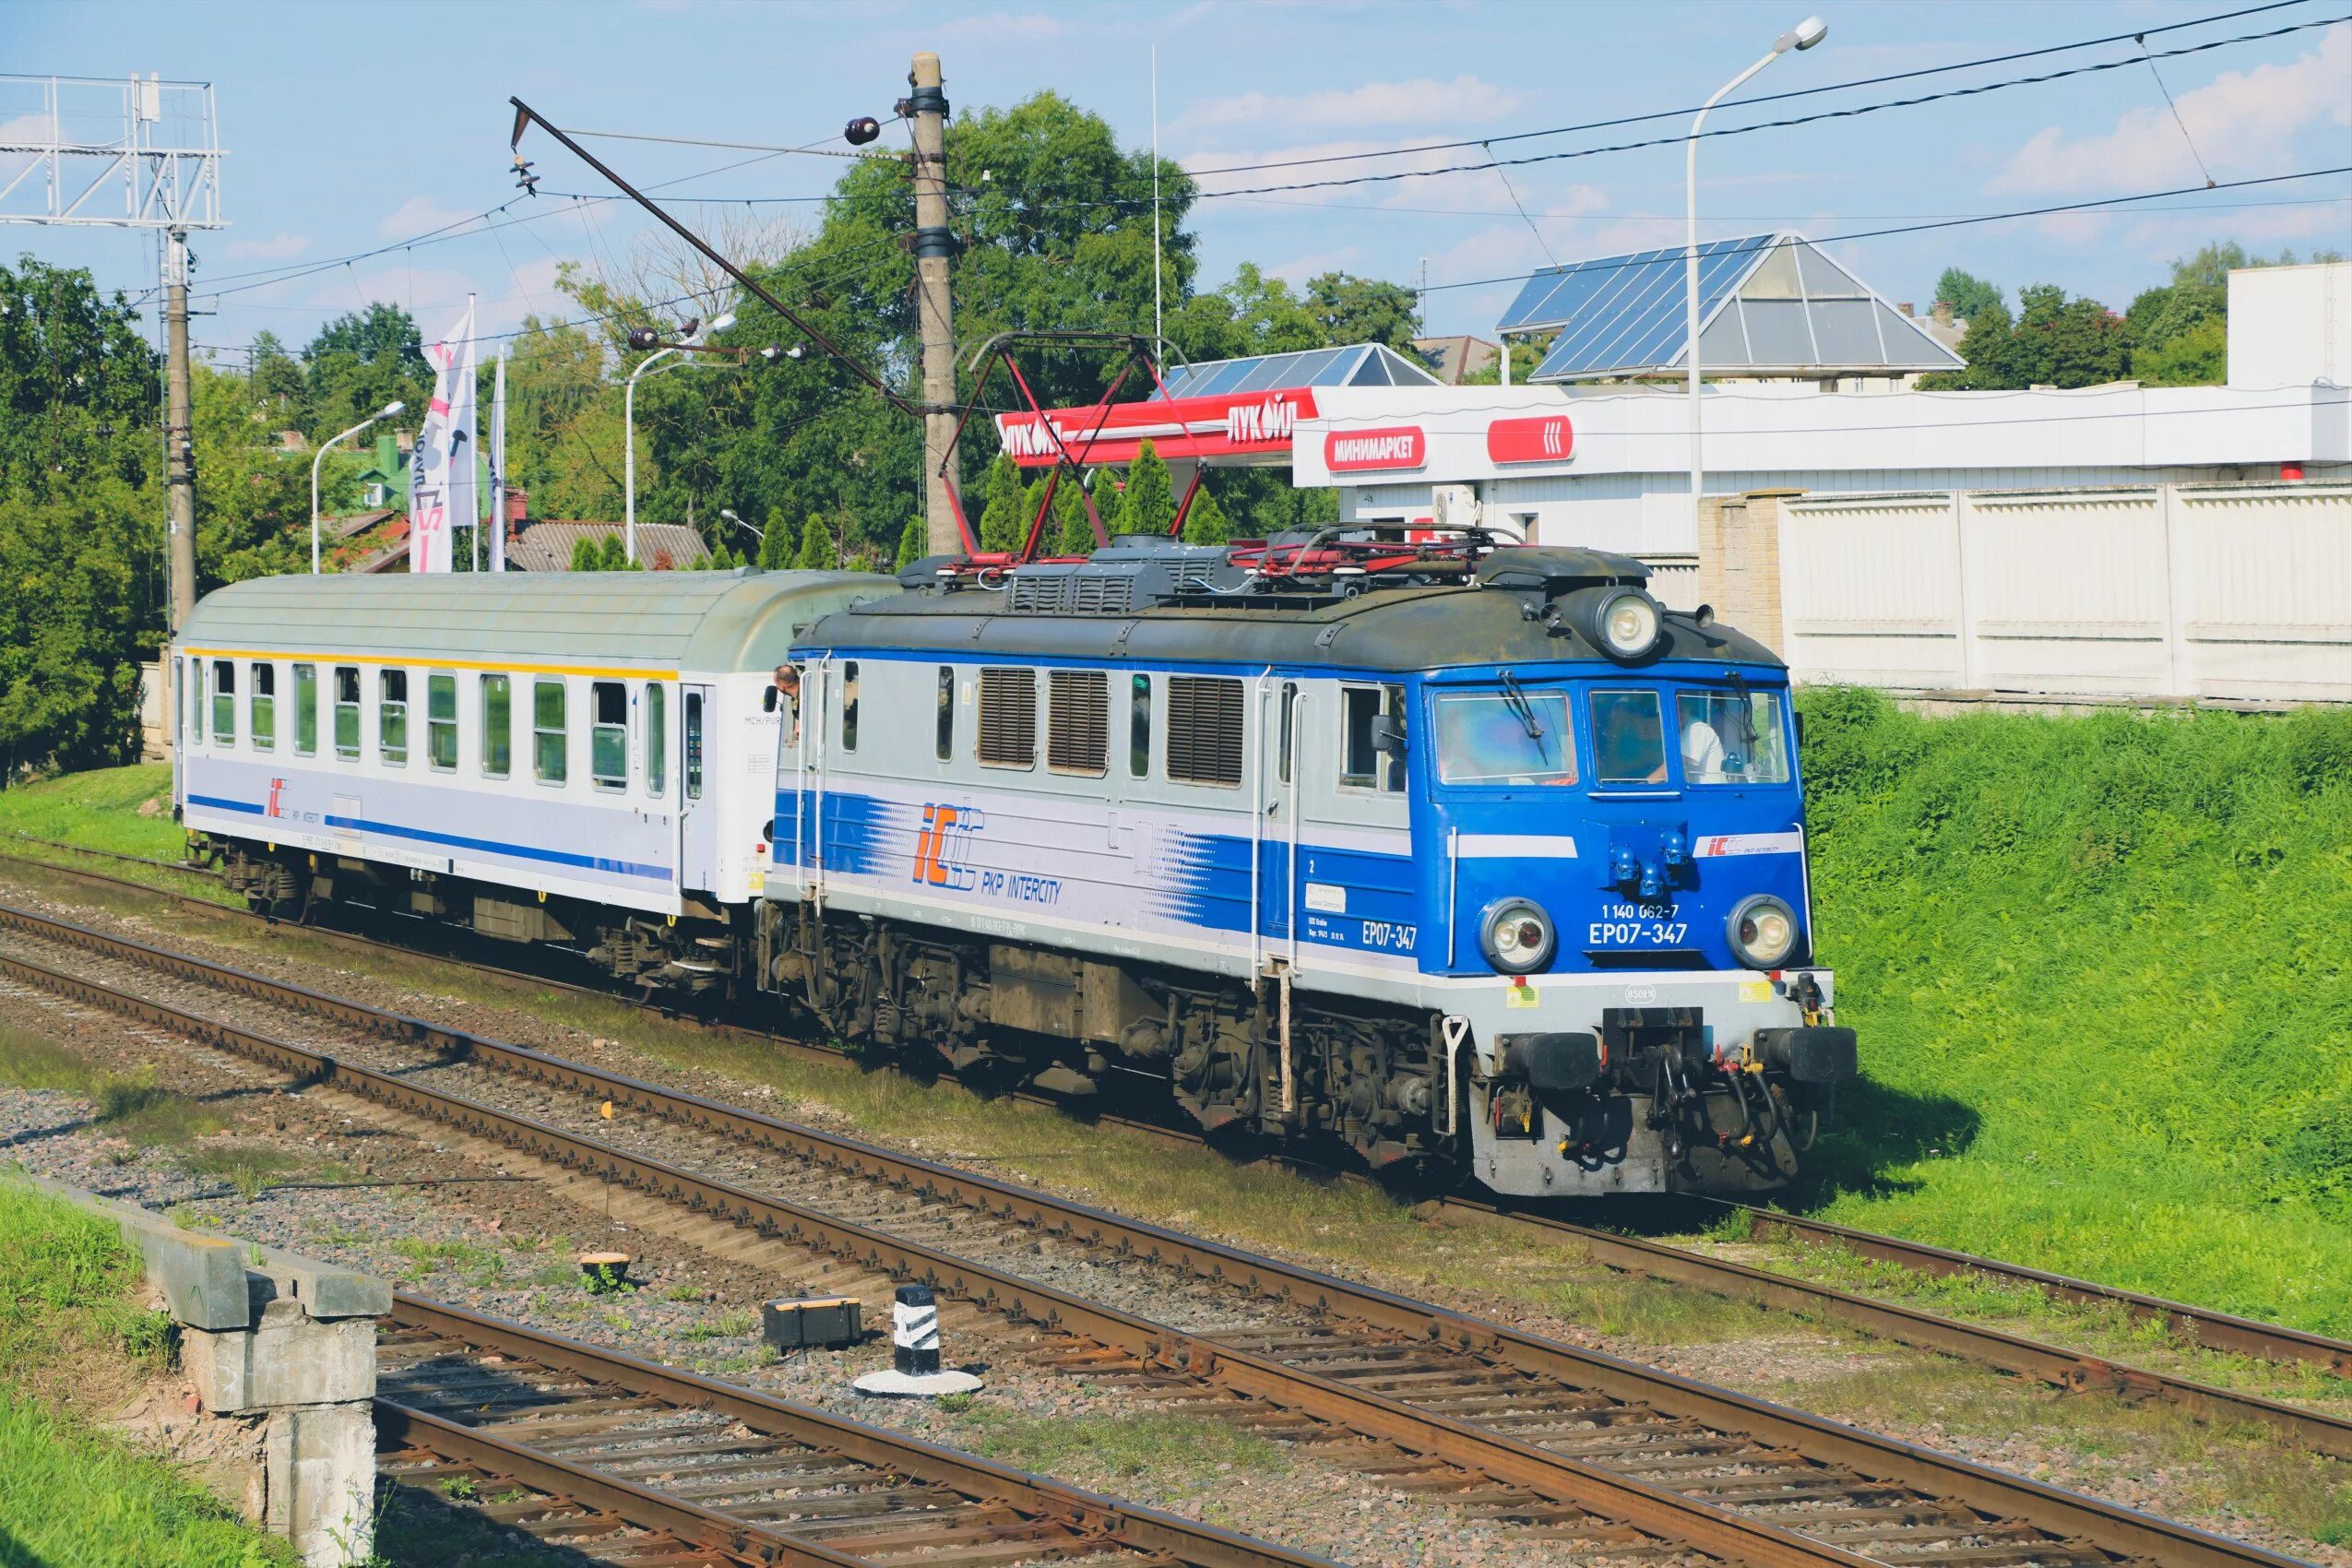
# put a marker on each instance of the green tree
(586, 556)
(817, 553)
(1965, 294)
(1363, 309)
(1206, 522)
(1148, 503)
(1033, 501)
(2055, 342)
(776, 546)
(914, 543)
(359, 362)
(1000, 523)
(615, 556)
(71, 625)
(1073, 533)
(1527, 353)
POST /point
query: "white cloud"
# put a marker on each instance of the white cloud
(2246, 124)
(281, 246)
(1420, 101)
(417, 215)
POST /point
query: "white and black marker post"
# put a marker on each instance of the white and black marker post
(914, 1353)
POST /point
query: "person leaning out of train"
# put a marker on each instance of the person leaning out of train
(787, 701)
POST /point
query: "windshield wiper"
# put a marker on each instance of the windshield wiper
(1520, 706)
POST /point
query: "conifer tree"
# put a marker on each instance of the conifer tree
(1073, 534)
(1206, 522)
(616, 554)
(776, 544)
(1032, 499)
(721, 559)
(914, 543)
(1148, 505)
(1000, 529)
(817, 547)
(586, 557)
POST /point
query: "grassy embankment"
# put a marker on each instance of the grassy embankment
(71, 1322)
(2098, 967)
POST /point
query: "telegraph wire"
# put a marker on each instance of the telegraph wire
(1762, 98)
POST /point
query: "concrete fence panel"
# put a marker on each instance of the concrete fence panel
(1870, 589)
(2265, 598)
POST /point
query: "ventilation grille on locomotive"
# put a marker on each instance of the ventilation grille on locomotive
(1203, 730)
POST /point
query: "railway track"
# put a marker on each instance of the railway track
(638, 1465)
(1605, 1444)
(2058, 1365)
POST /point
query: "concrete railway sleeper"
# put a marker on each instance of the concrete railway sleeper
(770, 1480)
(1732, 1476)
(2057, 1364)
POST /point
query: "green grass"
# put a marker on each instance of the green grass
(69, 1493)
(2099, 969)
(1097, 1450)
(129, 1106)
(98, 811)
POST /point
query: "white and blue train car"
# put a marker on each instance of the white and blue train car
(578, 759)
(1503, 872)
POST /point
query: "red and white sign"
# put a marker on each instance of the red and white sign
(1389, 446)
(1549, 438)
(1255, 424)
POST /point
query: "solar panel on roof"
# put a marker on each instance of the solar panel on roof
(1357, 364)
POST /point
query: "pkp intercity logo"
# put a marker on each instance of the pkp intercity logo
(944, 848)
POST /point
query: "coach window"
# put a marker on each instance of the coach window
(849, 705)
(224, 703)
(609, 735)
(263, 701)
(1138, 726)
(1077, 724)
(1008, 718)
(1362, 764)
(392, 716)
(347, 712)
(1205, 730)
(548, 734)
(1629, 738)
(441, 722)
(692, 755)
(497, 726)
(306, 710)
(944, 740)
(657, 738)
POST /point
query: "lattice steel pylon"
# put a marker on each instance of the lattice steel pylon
(64, 143)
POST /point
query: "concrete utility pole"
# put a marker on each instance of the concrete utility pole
(179, 439)
(935, 244)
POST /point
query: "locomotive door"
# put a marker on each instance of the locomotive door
(698, 805)
(1277, 828)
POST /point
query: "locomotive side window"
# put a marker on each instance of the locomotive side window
(609, 735)
(1008, 718)
(1732, 738)
(497, 726)
(1139, 725)
(441, 722)
(656, 739)
(263, 705)
(694, 745)
(849, 705)
(224, 703)
(347, 712)
(1078, 727)
(943, 741)
(392, 716)
(1629, 738)
(1362, 764)
(1290, 713)
(1510, 736)
(549, 736)
(1205, 730)
(306, 710)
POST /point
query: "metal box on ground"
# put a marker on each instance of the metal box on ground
(812, 1321)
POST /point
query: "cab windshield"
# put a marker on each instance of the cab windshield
(1731, 737)
(1514, 736)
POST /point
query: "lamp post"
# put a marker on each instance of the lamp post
(385, 412)
(692, 341)
(757, 532)
(1804, 35)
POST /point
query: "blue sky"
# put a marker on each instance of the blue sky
(351, 126)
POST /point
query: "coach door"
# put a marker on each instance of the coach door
(698, 805)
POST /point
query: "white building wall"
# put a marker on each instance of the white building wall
(2291, 325)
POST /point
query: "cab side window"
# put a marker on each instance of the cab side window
(1362, 764)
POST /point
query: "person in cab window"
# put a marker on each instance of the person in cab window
(787, 701)
(1631, 751)
(1703, 758)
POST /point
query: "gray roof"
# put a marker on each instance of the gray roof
(1769, 305)
(1359, 365)
(702, 621)
(547, 546)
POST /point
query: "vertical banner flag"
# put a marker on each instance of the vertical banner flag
(441, 474)
(498, 467)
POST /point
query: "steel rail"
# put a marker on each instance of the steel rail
(1656, 1508)
(2058, 1365)
(1107, 1519)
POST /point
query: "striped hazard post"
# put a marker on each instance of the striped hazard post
(915, 1372)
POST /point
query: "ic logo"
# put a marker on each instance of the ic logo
(942, 850)
(276, 787)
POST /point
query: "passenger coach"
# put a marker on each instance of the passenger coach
(579, 759)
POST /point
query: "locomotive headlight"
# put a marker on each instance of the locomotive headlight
(1629, 624)
(1517, 936)
(1763, 932)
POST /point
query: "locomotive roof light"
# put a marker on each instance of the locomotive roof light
(1619, 619)
(1517, 935)
(1763, 932)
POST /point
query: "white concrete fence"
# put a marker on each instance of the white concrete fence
(2235, 592)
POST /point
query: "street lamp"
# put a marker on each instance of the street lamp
(1804, 35)
(629, 420)
(759, 533)
(385, 412)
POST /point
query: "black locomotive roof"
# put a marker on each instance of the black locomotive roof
(1397, 630)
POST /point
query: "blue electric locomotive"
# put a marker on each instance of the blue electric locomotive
(1468, 857)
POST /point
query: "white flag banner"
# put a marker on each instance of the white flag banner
(498, 467)
(441, 493)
